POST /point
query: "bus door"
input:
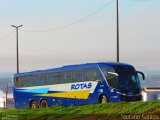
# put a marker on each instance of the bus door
(112, 84)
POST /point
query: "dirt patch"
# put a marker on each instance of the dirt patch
(154, 111)
(95, 117)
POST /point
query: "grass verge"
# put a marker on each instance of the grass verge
(121, 110)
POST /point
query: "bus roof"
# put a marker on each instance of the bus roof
(73, 67)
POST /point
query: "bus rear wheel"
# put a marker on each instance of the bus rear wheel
(33, 105)
(103, 99)
(44, 104)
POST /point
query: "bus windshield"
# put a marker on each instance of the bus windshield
(128, 79)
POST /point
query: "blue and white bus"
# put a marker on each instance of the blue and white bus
(77, 85)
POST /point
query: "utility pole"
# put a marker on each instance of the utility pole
(17, 46)
(117, 33)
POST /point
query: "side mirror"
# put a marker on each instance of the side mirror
(143, 76)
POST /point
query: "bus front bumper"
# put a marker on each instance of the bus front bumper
(130, 97)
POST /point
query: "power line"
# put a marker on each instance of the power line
(73, 23)
(6, 36)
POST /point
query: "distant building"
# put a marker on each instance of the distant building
(2, 99)
(10, 101)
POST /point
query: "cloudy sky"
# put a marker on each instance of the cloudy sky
(61, 32)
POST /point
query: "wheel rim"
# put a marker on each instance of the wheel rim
(44, 104)
(103, 101)
(33, 105)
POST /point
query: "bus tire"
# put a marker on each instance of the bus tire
(103, 99)
(34, 104)
(44, 104)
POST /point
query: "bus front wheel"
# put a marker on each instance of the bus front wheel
(33, 105)
(44, 104)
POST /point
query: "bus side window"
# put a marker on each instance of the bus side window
(93, 74)
(56, 78)
(39, 80)
(16, 81)
(49, 78)
(52, 78)
(61, 79)
(28, 81)
(66, 77)
(20, 82)
(35, 80)
(79, 75)
(69, 77)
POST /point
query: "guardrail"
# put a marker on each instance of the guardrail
(151, 93)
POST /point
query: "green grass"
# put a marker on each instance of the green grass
(111, 110)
